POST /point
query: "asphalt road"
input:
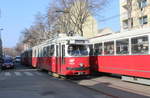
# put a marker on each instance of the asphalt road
(24, 82)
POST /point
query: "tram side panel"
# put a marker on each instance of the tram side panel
(34, 62)
(134, 65)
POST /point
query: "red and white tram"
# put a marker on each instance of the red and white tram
(64, 55)
(126, 53)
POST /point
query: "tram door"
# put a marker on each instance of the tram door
(58, 58)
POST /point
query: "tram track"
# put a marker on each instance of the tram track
(111, 86)
(101, 92)
(125, 88)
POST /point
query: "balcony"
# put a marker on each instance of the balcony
(124, 4)
(124, 16)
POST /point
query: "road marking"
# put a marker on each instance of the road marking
(101, 96)
(38, 73)
(7, 74)
(28, 73)
(17, 73)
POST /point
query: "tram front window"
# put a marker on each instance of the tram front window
(78, 50)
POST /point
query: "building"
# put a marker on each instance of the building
(105, 31)
(134, 14)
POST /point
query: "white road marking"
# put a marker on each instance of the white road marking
(38, 73)
(17, 73)
(101, 96)
(7, 74)
(28, 73)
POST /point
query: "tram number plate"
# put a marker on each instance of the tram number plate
(80, 73)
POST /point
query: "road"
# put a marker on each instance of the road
(25, 82)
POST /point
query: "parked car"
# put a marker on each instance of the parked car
(7, 63)
(17, 59)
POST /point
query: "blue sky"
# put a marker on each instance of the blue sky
(19, 14)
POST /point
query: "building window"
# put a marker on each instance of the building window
(139, 45)
(143, 20)
(126, 23)
(142, 3)
(122, 46)
(109, 48)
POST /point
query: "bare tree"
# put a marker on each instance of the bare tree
(78, 11)
(73, 16)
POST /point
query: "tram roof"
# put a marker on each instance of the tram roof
(121, 35)
(61, 38)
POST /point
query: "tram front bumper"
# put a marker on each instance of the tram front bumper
(78, 68)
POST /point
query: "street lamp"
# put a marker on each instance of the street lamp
(62, 11)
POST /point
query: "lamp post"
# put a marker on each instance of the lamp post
(1, 49)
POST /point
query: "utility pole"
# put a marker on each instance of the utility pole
(1, 48)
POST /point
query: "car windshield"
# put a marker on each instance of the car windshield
(78, 50)
(8, 60)
(17, 57)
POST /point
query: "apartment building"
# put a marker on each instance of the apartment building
(134, 14)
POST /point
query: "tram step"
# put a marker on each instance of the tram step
(55, 75)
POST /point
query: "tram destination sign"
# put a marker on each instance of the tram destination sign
(78, 41)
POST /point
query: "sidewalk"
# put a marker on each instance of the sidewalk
(116, 88)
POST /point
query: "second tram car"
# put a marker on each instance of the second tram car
(64, 55)
(126, 53)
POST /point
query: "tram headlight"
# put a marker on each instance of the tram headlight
(81, 65)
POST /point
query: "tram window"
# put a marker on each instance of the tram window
(98, 49)
(52, 50)
(48, 51)
(44, 52)
(34, 53)
(122, 46)
(38, 55)
(40, 52)
(63, 50)
(139, 45)
(78, 50)
(91, 49)
(109, 48)
(63, 54)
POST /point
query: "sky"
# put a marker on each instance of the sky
(19, 14)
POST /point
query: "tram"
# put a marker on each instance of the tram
(26, 57)
(63, 55)
(126, 53)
